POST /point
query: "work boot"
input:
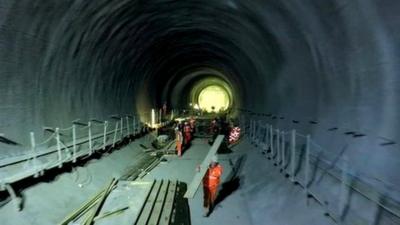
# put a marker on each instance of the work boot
(210, 208)
(205, 212)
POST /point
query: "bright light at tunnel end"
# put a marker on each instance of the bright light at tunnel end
(214, 98)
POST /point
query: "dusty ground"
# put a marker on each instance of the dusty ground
(49, 201)
(254, 192)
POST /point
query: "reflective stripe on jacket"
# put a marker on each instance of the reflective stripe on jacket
(213, 176)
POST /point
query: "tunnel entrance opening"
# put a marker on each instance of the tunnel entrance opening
(211, 94)
(213, 98)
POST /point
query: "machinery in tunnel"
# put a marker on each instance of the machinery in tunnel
(313, 86)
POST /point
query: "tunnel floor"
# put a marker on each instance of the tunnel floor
(231, 210)
(67, 190)
(244, 198)
(246, 194)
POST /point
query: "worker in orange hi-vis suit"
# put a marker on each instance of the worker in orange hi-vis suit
(210, 185)
(179, 141)
(188, 133)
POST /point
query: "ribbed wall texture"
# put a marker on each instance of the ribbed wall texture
(334, 62)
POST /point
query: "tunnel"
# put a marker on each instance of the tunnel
(326, 71)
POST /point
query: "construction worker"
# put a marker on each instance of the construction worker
(213, 125)
(192, 123)
(188, 133)
(179, 141)
(214, 130)
(211, 182)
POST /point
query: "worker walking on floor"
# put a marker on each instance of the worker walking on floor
(214, 130)
(210, 185)
(192, 123)
(179, 141)
(213, 127)
(188, 133)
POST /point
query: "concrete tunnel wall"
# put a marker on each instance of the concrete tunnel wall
(334, 62)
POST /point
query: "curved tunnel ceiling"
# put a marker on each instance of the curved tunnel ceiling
(334, 62)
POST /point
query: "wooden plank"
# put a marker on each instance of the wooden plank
(144, 201)
(194, 185)
(168, 205)
(81, 209)
(97, 207)
(148, 205)
(158, 205)
(129, 197)
(111, 213)
(135, 171)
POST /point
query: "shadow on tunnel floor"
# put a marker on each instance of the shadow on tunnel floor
(181, 213)
(233, 180)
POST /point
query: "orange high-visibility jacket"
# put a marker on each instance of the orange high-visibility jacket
(179, 137)
(213, 176)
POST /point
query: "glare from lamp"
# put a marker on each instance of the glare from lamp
(213, 98)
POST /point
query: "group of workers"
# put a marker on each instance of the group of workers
(184, 132)
(211, 180)
(228, 129)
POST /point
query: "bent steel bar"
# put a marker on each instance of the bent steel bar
(15, 199)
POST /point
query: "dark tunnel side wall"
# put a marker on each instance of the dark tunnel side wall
(339, 70)
(339, 83)
(44, 80)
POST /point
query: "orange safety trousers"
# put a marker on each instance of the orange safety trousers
(179, 143)
(179, 147)
(210, 185)
(210, 194)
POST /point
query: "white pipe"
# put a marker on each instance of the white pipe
(59, 147)
(307, 164)
(105, 134)
(74, 143)
(90, 137)
(33, 146)
(293, 153)
(153, 118)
